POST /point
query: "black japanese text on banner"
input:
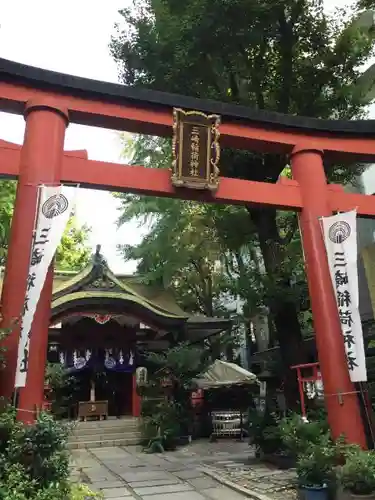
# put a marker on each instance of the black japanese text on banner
(55, 206)
(340, 237)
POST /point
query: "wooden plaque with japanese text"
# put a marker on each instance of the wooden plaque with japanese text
(195, 149)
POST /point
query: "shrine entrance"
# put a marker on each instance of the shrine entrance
(101, 327)
(49, 101)
(113, 388)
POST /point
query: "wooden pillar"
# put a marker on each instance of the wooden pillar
(40, 162)
(340, 397)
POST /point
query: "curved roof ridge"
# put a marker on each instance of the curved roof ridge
(129, 289)
(65, 285)
(156, 298)
(65, 299)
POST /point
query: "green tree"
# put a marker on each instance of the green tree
(286, 56)
(73, 252)
(7, 197)
(208, 254)
(171, 417)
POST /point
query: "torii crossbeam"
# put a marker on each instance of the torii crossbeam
(49, 101)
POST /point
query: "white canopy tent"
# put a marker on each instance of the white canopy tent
(225, 374)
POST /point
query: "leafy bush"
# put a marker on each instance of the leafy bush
(316, 465)
(4, 332)
(358, 473)
(7, 422)
(83, 492)
(264, 432)
(166, 410)
(298, 435)
(162, 425)
(62, 386)
(34, 463)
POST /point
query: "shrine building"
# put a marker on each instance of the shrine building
(102, 324)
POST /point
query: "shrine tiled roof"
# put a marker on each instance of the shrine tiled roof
(97, 288)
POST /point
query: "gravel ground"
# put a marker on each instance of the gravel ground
(259, 478)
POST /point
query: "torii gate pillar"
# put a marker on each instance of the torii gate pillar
(40, 162)
(340, 396)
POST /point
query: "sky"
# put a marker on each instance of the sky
(72, 37)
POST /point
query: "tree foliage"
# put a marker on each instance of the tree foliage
(73, 252)
(209, 254)
(182, 362)
(285, 56)
(7, 197)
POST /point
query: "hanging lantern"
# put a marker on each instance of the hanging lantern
(141, 376)
(53, 347)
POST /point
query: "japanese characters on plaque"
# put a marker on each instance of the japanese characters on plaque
(340, 236)
(195, 150)
(54, 209)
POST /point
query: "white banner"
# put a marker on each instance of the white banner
(340, 237)
(54, 209)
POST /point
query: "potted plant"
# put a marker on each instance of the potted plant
(316, 470)
(357, 475)
(298, 434)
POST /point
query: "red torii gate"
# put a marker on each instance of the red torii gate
(49, 101)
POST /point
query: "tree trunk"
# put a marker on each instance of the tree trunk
(282, 307)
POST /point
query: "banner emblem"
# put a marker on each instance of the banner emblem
(56, 205)
(79, 363)
(339, 232)
(110, 363)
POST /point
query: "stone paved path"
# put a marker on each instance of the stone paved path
(259, 478)
(126, 473)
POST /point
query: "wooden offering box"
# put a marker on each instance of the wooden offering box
(90, 409)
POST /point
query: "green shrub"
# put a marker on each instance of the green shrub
(83, 492)
(358, 473)
(298, 435)
(163, 425)
(34, 463)
(63, 387)
(316, 465)
(264, 432)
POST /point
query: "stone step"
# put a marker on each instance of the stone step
(104, 443)
(94, 431)
(104, 431)
(95, 424)
(104, 436)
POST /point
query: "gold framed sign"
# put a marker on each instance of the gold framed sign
(195, 149)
